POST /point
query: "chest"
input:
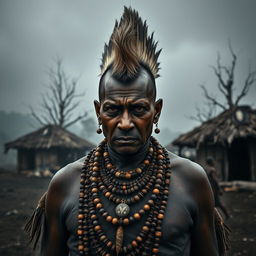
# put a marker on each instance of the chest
(176, 228)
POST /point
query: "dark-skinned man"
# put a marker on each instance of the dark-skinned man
(129, 196)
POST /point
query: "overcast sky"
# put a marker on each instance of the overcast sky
(190, 33)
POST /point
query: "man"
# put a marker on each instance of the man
(129, 196)
(217, 190)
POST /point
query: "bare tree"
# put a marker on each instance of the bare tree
(60, 101)
(225, 83)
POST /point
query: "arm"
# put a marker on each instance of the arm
(203, 239)
(55, 236)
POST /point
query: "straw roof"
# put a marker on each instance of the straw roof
(222, 129)
(50, 136)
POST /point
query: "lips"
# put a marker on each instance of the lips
(125, 140)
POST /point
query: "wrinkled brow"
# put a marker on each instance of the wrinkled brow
(128, 101)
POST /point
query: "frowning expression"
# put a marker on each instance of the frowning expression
(127, 111)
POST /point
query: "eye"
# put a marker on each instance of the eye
(111, 110)
(139, 109)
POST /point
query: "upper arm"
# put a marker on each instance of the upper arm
(55, 235)
(203, 240)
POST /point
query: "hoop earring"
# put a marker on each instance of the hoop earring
(157, 130)
(99, 131)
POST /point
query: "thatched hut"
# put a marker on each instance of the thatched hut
(50, 147)
(230, 138)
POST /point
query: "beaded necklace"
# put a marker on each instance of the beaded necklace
(124, 188)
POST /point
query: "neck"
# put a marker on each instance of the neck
(127, 162)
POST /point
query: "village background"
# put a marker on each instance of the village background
(43, 41)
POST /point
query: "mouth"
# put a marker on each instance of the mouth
(125, 140)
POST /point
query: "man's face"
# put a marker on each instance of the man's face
(127, 112)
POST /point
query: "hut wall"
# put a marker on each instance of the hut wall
(22, 160)
(252, 152)
(218, 153)
(46, 159)
(26, 159)
(66, 156)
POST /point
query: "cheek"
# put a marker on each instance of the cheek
(108, 125)
(145, 126)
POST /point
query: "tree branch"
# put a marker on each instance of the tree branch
(211, 99)
(249, 81)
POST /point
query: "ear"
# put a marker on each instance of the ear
(97, 110)
(158, 109)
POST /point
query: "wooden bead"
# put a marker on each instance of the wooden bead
(97, 228)
(117, 174)
(160, 157)
(109, 166)
(155, 250)
(126, 221)
(146, 207)
(99, 205)
(94, 190)
(93, 179)
(139, 238)
(95, 168)
(97, 153)
(138, 170)
(146, 162)
(160, 151)
(105, 154)
(80, 232)
(160, 216)
(109, 218)
(80, 247)
(136, 216)
(114, 221)
(107, 194)
(156, 191)
(128, 175)
(109, 244)
(80, 216)
(158, 234)
(145, 228)
(136, 198)
(93, 217)
(134, 243)
(96, 200)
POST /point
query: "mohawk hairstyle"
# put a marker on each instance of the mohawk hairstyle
(130, 47)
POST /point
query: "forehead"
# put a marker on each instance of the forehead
(140, 88)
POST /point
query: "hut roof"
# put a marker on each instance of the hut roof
(222, 129)
(50, 136)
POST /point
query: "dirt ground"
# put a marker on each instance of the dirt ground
(19, 194)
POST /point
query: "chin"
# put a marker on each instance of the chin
(126, 150)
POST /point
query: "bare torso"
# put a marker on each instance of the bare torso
(188, 218)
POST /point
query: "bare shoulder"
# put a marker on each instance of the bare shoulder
(187, 167)
(191, 173)
(64, 178)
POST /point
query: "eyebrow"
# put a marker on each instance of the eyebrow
(117, 102)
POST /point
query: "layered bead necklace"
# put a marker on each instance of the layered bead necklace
(99, 178)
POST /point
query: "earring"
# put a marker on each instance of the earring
(157, 130)
(99, 131)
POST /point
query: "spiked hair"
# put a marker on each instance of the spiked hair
(129, 47)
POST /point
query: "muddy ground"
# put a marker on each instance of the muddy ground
(19, 194)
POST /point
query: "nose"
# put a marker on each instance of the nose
(125, 122)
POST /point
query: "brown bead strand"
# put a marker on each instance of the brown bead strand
(150, 232)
